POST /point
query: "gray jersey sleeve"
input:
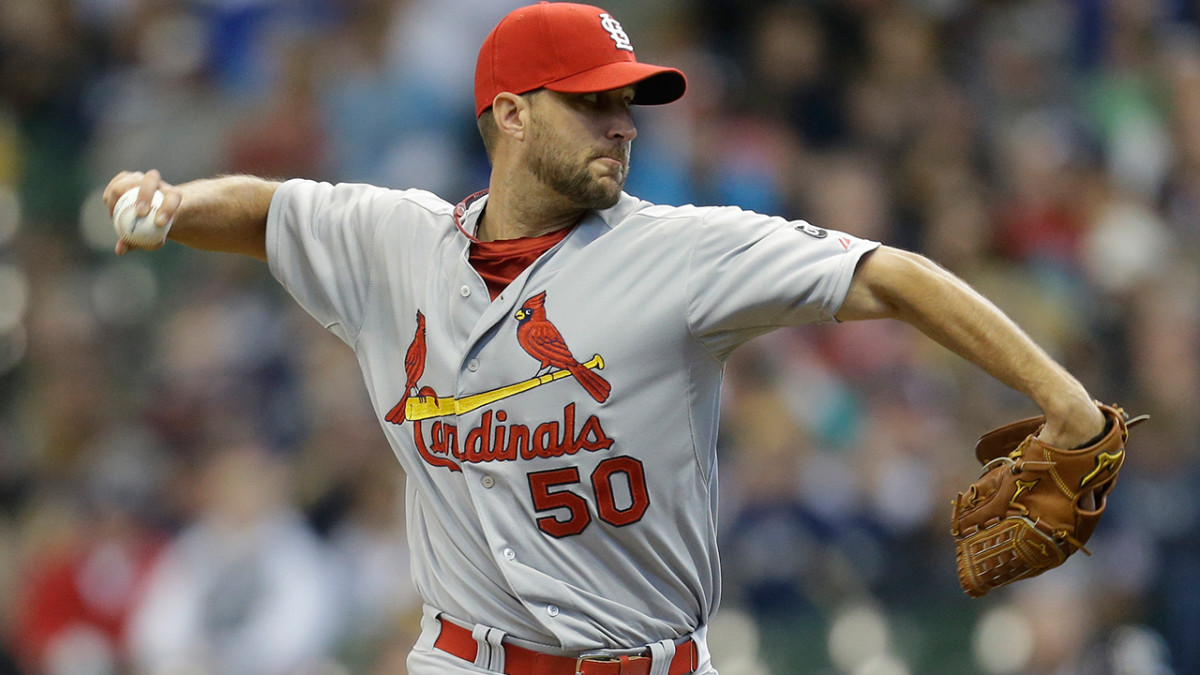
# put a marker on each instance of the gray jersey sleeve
(320, 239)
(751, 273)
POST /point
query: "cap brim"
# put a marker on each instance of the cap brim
(655, 84)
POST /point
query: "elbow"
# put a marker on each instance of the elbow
(885, 282)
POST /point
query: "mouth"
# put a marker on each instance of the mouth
(616, 164)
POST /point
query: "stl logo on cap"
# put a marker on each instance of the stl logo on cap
(615, 31)
(569, 48)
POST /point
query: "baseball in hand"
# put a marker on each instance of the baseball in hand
(138, 231)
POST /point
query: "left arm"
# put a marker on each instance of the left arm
(895, 284)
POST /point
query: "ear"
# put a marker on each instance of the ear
(512, 115)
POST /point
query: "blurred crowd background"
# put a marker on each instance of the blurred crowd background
(191, 478)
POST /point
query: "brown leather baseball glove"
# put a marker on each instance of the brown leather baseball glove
(1034, 504)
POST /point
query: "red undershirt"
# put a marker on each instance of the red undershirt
(499, 262)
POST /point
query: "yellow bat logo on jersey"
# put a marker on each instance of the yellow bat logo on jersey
(426, 407)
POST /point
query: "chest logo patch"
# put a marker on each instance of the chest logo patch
(542, 341)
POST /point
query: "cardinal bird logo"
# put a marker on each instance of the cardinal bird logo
(414, 367)
(541, 340)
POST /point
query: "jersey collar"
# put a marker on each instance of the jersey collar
(468, 211)
(466, 214)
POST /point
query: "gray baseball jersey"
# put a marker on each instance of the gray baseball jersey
(559, 441)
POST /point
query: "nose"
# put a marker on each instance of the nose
(622, 128)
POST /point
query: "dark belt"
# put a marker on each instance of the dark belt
(458, 641)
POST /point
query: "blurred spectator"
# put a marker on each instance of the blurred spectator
(246, 587)
(382, 605)
(285, 137)
(159, 102)
(84, 567)
(46, 64)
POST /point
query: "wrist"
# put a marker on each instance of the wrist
(1074, 426)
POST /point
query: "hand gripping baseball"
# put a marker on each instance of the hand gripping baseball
(154, 203)
(1034, 504)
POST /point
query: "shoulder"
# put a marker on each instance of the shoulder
(724, 223)
(359, 196)
(631, 211)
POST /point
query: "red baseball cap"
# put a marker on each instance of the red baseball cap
(567, 47)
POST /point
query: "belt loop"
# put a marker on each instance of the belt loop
(489, 653)
(431, 628)
(495, 638)
(661, 655)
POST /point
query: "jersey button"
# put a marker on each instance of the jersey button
(487, 481)
(510, 554)
(552, 610)
(465, 291)
(473, 365)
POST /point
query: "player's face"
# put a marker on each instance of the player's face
(580, 143)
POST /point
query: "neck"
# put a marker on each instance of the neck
(523, 208)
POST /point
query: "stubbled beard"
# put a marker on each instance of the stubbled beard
(553, 165)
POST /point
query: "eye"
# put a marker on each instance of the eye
(591, 99)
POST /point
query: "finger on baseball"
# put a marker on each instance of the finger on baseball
(122, 248)
(117, 187)
(148, 185)
(172, 197)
